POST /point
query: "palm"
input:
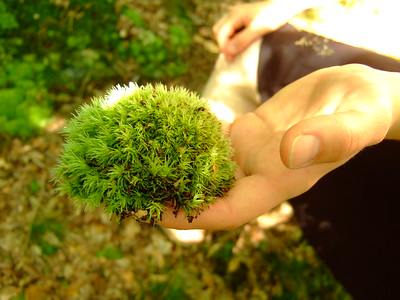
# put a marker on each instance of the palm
(261, 139)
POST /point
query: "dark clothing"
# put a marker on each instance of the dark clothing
(289, 54)
(351, 216)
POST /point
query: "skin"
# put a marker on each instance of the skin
(306, 130)
(244, 23)
(339, 111)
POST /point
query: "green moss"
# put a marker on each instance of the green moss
(139, 150)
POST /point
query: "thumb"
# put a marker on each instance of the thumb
(240, 41)
(331, 138)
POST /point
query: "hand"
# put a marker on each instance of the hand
(306, 130)
(247, 22)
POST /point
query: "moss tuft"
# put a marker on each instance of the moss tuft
(138, 150)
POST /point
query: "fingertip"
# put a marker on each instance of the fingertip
(228, 57)
(303, 151)
(230, 52)
(303, 145)
(231, 48)
(223, 35)
(325, 139)
(240, 42)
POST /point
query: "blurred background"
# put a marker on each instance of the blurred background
(57, 54)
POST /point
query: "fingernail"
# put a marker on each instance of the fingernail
(303, 151)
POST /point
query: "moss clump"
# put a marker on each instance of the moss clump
(139, 150)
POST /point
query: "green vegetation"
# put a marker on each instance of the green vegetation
(138, 150)
(56, 50)
(53, 54)
(109, 252)
(279, 266)
(48, 234)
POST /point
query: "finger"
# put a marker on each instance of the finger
(249, 198)
(240, 41)
(332, 138)
(225, 29)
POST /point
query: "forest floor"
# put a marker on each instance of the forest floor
(51, 249)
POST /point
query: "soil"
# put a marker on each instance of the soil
(51, 249)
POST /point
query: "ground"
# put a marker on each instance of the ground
(51, 249)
